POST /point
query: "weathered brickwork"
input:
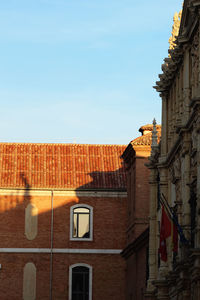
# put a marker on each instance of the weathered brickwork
(49, 229)
(108, 275)
(135, 252)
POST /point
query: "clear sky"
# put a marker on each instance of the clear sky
(81, 70)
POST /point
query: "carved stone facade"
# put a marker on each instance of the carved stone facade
(175, 166)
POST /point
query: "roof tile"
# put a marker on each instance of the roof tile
(62, 166)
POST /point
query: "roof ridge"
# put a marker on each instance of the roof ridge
(60, 144)
(142, 136)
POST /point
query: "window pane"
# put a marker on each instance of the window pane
(77, 297)
(80, 283)
(83, 226)
(80, 269)
(81, 210)
(81, 223)
(77, 283)
(75, 233)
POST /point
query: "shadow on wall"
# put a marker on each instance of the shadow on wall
(28, 221)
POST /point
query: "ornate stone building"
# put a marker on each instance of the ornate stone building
(174, 167)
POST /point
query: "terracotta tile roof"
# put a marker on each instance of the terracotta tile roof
(145, 139)
(62, 166)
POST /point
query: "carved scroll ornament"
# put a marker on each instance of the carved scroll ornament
(195, 59)
(175, 170)
(175, 29)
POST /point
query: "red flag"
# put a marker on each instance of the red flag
(165, 232)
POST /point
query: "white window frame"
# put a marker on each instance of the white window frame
(90, 278)
(90, 220)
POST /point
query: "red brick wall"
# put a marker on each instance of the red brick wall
(11, 275)
(138, 213)
(141, 189)
(138, 198)
(136, 274)
(108, 275)
(109, 226)
(109, 222)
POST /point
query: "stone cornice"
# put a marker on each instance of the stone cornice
(189, 21)
(169, 68)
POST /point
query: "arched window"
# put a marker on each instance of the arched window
(80, 282)
(81, 222)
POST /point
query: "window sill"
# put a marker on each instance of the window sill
(81, 239)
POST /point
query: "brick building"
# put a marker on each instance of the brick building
(63, 221)
(136, 251)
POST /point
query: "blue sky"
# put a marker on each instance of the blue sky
(81, 70)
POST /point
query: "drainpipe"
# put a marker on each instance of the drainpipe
(51, 247)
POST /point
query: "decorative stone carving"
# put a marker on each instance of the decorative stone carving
(154, 142)
(195, 59)
(198, 125)
(175, 170)
(194, 138)
(186, 97)
(175, 29)
(171, 174)
(194, 166)
(178, 195)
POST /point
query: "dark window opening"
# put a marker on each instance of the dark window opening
(80, 283)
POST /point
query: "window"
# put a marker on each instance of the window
(80, 282)
(81, 222)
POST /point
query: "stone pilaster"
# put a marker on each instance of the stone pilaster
(164, 267)
(162, 290)
(185, 185)
(186, 87)
(195, 274)
(164, 125)
(197, 238)
(153, 231)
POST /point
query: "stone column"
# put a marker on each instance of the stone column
(185, 180)
(162, 290)
(164, 267)
(164, 125)
(194, 275)
(153, 230)
(197, 238)
(186, 87)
